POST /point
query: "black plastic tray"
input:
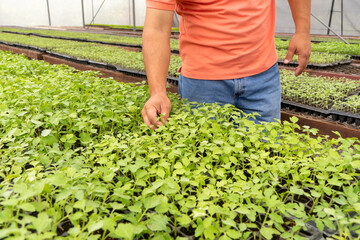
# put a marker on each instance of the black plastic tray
(304, 108)
(23, 46)
(341, 116)
(98, 64)
(316, 66)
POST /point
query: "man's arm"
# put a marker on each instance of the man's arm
(300, 43)
(156, 51)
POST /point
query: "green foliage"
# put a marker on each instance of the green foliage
(174, 44)
(316, 57)
(321, 39)
(96, 52)
(77, 159)
(326, 47)
(350, 104)
(320, 55)
(316, 91)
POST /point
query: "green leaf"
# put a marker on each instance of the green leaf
(158, 222)
(184, 220)
(10, 202)
(268, 232)
(125, 230)
(230, 222)
(45, 132)
(95, 226)
(80, 204)
(233, 234)
(276, 217)
(294, 119)
(109, 224)
(152, 202)
(153, 155)
(42, 222)
(296, 190)
(355, 164)
(27, 207)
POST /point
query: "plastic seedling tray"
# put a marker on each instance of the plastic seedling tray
(81, 60)
(304, 108)
(38, 49)
(348, 117)
(173, 80)
(316, 66)
(130, 72)
(110, 67)
(98, 64)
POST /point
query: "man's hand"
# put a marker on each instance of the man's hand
(300, 44)
(155, 106)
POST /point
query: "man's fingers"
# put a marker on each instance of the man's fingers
(289, 55)
(303, 61)
(165, 111)
(146, 120)
(152, 116)
(156, 111)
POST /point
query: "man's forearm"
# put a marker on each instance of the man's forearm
(301, 10)
(156, 52)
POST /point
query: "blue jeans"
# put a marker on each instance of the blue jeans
(259, 93)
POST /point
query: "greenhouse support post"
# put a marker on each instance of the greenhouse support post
(342, 16)
(331, 13)
(92, 7)
(48, 10)
(134, 23)
(330, 29)
(82, 11)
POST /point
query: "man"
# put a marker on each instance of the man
(228, 53)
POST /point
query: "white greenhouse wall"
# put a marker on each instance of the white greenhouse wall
(119, 12)
(68, 12)
(321, 9)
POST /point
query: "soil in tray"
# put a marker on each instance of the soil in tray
(352, 69)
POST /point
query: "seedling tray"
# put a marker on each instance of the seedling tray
(304, 108)
(135, 73)
(98, 64)
(59, 55)
(316, 66)
(20, 33)
(23, 46)
(76, 39)
(341, 116)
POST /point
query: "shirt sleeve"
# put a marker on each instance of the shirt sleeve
(161, 4)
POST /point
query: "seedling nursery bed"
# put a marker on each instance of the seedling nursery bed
(321, 61)
(78, 162)
(44, 53)
(342, 116)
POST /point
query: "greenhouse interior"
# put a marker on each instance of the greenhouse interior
(180, 119)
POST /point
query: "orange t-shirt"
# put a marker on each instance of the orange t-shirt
(224, 39)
